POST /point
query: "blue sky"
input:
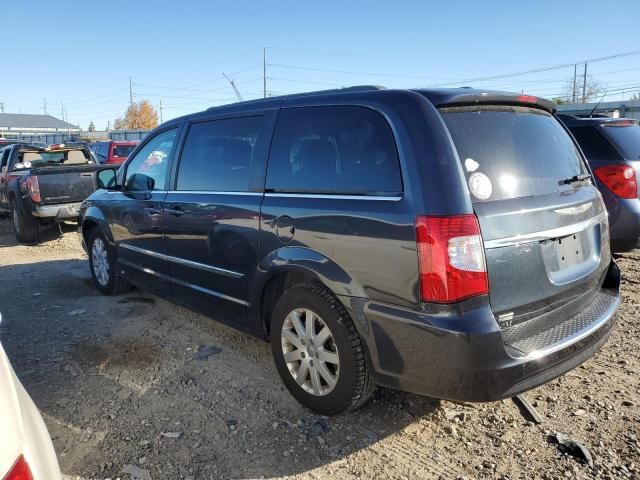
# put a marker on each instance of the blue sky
(83, 53)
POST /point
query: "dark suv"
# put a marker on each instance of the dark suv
(444, 242)
(612, 148)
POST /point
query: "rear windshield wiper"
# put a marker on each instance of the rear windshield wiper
(576, 178)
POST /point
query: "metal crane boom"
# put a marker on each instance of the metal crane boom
(233, 84)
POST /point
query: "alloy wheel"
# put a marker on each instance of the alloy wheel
(16, 220)
(310, 352)
(100, 262)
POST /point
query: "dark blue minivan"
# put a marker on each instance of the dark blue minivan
(446, 242)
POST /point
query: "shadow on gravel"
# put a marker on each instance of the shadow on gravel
(113, 375)
(47, 233)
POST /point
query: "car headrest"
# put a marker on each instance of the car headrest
(31, 156)
(317, 155)
(236, 152)
(75, 157)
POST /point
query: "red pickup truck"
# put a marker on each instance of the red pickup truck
(113, 152)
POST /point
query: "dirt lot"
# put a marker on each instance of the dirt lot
(115, 379)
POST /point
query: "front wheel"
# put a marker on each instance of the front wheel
(102, 263)
(318, 352)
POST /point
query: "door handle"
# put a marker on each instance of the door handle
(175, 212)
(153, 210)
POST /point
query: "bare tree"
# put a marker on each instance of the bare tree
(593, 90)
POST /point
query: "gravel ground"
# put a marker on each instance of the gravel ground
(123, 397)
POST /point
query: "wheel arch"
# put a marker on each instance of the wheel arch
(93, 218)
(290, 266)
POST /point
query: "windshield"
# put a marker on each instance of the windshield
(123, 150)
(510, 152)
(627, 137)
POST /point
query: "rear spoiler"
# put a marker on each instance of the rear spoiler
(494, 98)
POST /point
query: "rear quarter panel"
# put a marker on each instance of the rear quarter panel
(373, 240)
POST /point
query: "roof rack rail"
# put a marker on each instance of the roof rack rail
(355, 88)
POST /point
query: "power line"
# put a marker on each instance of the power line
(538, 70)
(348, 72)
(310, 82)
(217, 79)
(99, 97)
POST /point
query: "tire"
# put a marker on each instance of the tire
(103, 265)
(342, 380)
(25, 227)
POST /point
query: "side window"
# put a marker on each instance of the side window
(148, 169)
(333, 150)
(594, 145)
(4, 158)
(219, 155)
(98, 150)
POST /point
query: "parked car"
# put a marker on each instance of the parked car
(113, 151)
(40, 185)
(445, 242)
(612, 148)
(26, 451)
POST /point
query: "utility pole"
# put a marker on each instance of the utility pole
(575, 74)
(62, 110)
(160, 110)
(584, 85)
(67, 120)
(130, 92)
(264, 71)
(45, 106)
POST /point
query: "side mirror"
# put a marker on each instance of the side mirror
(107, 179)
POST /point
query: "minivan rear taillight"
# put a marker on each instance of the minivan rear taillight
(620, 179)
(450, 258)
(34, 189)
(20, 471)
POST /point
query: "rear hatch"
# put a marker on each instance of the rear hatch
(625, 136)
(611, 146)
(542, 219)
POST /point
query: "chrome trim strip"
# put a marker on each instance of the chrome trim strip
(537, 354)
(212, 192)
(334, 197)
(544, 234)
(213, 293)
(574, 210)
(182, 261)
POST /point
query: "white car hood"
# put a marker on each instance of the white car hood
(11, 428)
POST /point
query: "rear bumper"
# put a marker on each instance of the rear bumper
(464, 356)
(66, 211)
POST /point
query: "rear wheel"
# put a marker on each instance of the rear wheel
(318, 352)
(25, 228)
(102, 262)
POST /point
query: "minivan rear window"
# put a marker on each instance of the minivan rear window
(512, 151)
(626, 135)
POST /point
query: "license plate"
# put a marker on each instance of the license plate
(570, 250)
